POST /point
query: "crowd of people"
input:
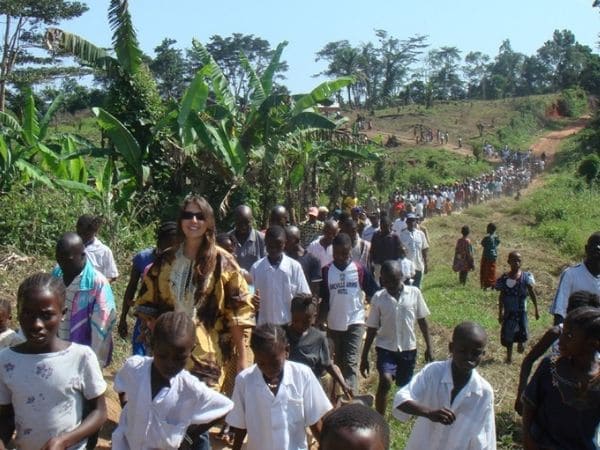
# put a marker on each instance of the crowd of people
(265, 333)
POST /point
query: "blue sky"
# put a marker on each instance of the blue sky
(308, 25)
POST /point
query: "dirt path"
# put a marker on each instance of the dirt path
(550, 143)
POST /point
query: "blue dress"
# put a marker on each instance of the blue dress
(140, 261)
(514, 300)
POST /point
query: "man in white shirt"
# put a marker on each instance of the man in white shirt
(582, 277)
(453, 403)
(416, 244)
(321, 248)
(277, 279)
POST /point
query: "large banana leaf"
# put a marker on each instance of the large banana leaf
(76, 186)
(308, 119)
(269, 73)
(322, 92)
(9, 121)
(33, 172)
(257, 92)
(194, 99)
(52, 109)
(124, 38)
(31, 125)
(124, 142)
(81, 49)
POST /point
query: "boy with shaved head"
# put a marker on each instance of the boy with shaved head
(454, 404)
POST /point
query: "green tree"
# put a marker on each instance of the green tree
(443, 75)
(475, 69)
(169, 67)
(589, 168)
(22, 35)
(505, 71)
(343, 61)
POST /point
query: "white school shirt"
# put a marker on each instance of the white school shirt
(102, 258)
(415, 242)
(408, 269)
(48, 390)
(324, 255)
(398, 226)
(474, 427)
(277, 422)
(148, 423)
(573, 279)
(277, 285)
(395, 319)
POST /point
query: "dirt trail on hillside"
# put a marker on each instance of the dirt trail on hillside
(550, 143)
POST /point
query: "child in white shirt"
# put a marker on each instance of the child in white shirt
(161, 399)
(8, 337)
(45, 381)
(275, 400)
(99, 254)
(454, 404)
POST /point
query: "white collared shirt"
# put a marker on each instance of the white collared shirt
(102, 258)
(276, 422)
(160, 422)
(324, 255)
(277, 285)
(573, 279)
(415, 242)
(395, 319)
(474, 427)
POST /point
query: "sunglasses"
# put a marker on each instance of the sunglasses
(188, 215)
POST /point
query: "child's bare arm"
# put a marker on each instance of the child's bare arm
(316, 429)
(7, 424)
(536, 352)
(531, 292)
(443, 416)
(424, 327)
(335, 373)
(90, 425)
(364, 360)
(238, 439)
(500, 308)
(528, 415)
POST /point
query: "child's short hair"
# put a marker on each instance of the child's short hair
(166, 229)
(89, 223)
(275, 232)
(391, 267)
(222, 239)
(266, 337)
(491, 227)
(465, 230)
(579, 299)
(171, 326)
(6, 306)
(342, 239)
(586, 319)
(305, 303)
(465, 330)
(39, 282)
(355, 416)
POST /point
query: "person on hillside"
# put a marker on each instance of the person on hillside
(561, 403)
(490, 242)
(90, 311)
(454, 405)
(98, 253)
(417, 247)
(277, 279)
(463, 261)
(514, 287)
(321, 247)
(549, 340)
(385, 245)
(394, 312)
(311, 266)
(166, 237)
(249, 243)
(311, 228)
(584, 276)
(345, 284)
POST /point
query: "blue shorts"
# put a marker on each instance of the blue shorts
(400, 365)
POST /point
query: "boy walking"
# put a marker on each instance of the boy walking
(391, 322)
(454, 404)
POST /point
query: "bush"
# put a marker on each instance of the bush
(572, 102)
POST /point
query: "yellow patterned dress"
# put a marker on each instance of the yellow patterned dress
(169, 286)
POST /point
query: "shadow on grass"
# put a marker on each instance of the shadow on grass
(508, 430)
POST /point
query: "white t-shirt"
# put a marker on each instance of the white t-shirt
(395, 320)
(408, 269)
(277, 285)
(573, 279)
(47, 391)
(346, 296)
(398, 226)
(10, 338)
(102, 258)
(276, 422)
(474, 427)
(324, 255)
(149, 423)
(415, 242)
